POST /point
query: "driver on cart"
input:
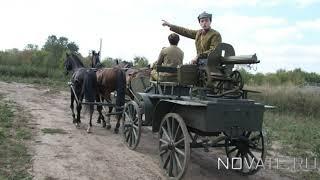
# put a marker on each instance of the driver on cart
(171, 56)
(206, 39)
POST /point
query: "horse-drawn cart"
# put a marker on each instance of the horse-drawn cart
(188, 116)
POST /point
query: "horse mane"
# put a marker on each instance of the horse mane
(76, 57)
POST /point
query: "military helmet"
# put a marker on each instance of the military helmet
(205, 15)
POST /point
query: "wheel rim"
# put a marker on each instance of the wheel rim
(250, 149)
(131, 125)
(174, 146)
(237, 80)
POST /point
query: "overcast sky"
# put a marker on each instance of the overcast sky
(283, 33)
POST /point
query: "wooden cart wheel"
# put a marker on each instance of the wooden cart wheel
(237, 80)
(131, 125)
(249, 147)
(174, 146)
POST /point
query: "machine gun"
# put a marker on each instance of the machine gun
(216, 72)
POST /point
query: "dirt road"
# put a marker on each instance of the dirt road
(101, 154)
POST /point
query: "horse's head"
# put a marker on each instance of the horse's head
(68, 63)
(95, 60)
(126, 64)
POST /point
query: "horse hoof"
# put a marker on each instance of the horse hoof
(103, 124)
(108, 127)
(89, 130)
(116, 131)
(77, 125)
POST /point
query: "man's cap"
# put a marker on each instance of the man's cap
(205, 15)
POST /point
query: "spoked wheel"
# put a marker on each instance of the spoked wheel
(131, 125)
(174, 146)
(246, 154)
(236, 79)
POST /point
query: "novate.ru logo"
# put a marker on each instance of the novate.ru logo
(291, 164)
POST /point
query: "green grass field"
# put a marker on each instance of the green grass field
(293, 128)
(14, 157)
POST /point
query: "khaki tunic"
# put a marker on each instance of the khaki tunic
(171, 56)
(205, 41)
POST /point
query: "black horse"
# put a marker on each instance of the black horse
(95, 60)
(84, 82)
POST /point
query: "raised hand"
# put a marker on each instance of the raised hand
(165, 23)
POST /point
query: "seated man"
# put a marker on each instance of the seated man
(171, 56)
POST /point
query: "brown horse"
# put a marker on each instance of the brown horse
(108, 81)
(127, 67)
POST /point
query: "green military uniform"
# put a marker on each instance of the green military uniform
(171, 56)
(205, 41)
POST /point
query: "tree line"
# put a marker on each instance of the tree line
(47, 61)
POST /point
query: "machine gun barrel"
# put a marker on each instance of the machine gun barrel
(243, 59)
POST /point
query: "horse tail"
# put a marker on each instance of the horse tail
(90, 87)
(120, 87)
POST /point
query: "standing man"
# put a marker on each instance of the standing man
(171, 56)
(206, 39)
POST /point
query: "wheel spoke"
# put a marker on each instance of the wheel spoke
(169, 128)
(248, 134)
(127, 125)
(255, 148)
(135, 126)
(164, 151)
(164, 141)
(165, 133)
(255, 138)
(127, 137)
(242, 157)
(136, 119)
(126, 130)
(133, 140)
(178, 160)
(237, 155)
(164, 147)
(178, 142)
(131, 111)
(170, 166)
(130, 139)
(249, 163)
(179, 151)
(129, 117)
(232, 150)
(172, 128)
(253, 156)
(134, 133)
(166, 162)
(177, 130)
